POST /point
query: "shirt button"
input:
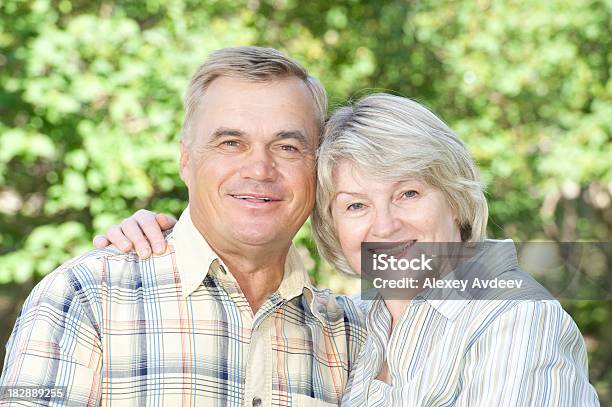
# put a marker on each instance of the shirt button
(256, 402)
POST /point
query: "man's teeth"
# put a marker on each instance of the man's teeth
(252, 197)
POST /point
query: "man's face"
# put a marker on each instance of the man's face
(249, 163)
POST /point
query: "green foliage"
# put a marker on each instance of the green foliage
(90, 109)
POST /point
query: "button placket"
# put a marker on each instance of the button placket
(258, 385)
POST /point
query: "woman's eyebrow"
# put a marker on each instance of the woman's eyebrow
(359, 194)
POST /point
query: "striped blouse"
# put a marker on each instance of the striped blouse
(453, 352)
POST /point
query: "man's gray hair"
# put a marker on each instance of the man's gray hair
(250, 63)
(395, 139)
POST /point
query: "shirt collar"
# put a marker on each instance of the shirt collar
(296, 279)
(193, 254)
(194, 258)
(497, 255)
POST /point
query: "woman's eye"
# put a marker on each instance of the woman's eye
(410, 194)
(288, 147)
(354, 206)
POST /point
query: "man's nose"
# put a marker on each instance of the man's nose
(385, 224)
(259, 165)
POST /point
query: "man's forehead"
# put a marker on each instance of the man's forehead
(226, 88)
(284, 107)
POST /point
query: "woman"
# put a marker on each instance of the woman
(390, 171)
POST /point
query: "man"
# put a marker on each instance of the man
(226, 315)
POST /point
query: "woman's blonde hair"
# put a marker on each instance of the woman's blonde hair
(393, 139)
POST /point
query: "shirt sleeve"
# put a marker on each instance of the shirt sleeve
(532, 355)
(55, 344)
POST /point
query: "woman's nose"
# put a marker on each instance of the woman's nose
(385, 224)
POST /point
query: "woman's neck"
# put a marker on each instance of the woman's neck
(396, 309)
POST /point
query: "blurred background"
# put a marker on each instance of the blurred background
(90, 112)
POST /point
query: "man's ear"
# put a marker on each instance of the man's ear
(184, 162)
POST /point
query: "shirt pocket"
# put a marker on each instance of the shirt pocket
(301, 400)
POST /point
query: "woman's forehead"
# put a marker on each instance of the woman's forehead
(350, 173)
(352, 179)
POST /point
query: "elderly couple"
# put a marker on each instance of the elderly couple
(222, 313)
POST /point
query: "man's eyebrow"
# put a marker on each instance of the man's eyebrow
(294, 134)
(226, 132)
(284, 134)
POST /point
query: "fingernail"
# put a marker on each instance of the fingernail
(159, 248)
(143, 253)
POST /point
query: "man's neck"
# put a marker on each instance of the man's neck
(257, 281)
(258, 270)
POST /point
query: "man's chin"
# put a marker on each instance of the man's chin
(262, 238)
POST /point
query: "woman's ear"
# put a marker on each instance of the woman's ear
(465, 231)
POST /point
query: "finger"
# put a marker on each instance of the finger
(115, 236)
(132, 231)
(148, 224)
(100, 242)
(165, 221)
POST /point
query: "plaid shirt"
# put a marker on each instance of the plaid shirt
(175, 329)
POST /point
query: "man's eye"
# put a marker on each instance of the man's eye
(354, 206)
(231, 143)
(287, 149)
(410, 194)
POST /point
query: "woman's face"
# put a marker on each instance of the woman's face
(368, 210)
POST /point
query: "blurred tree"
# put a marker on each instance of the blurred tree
(90, 111)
